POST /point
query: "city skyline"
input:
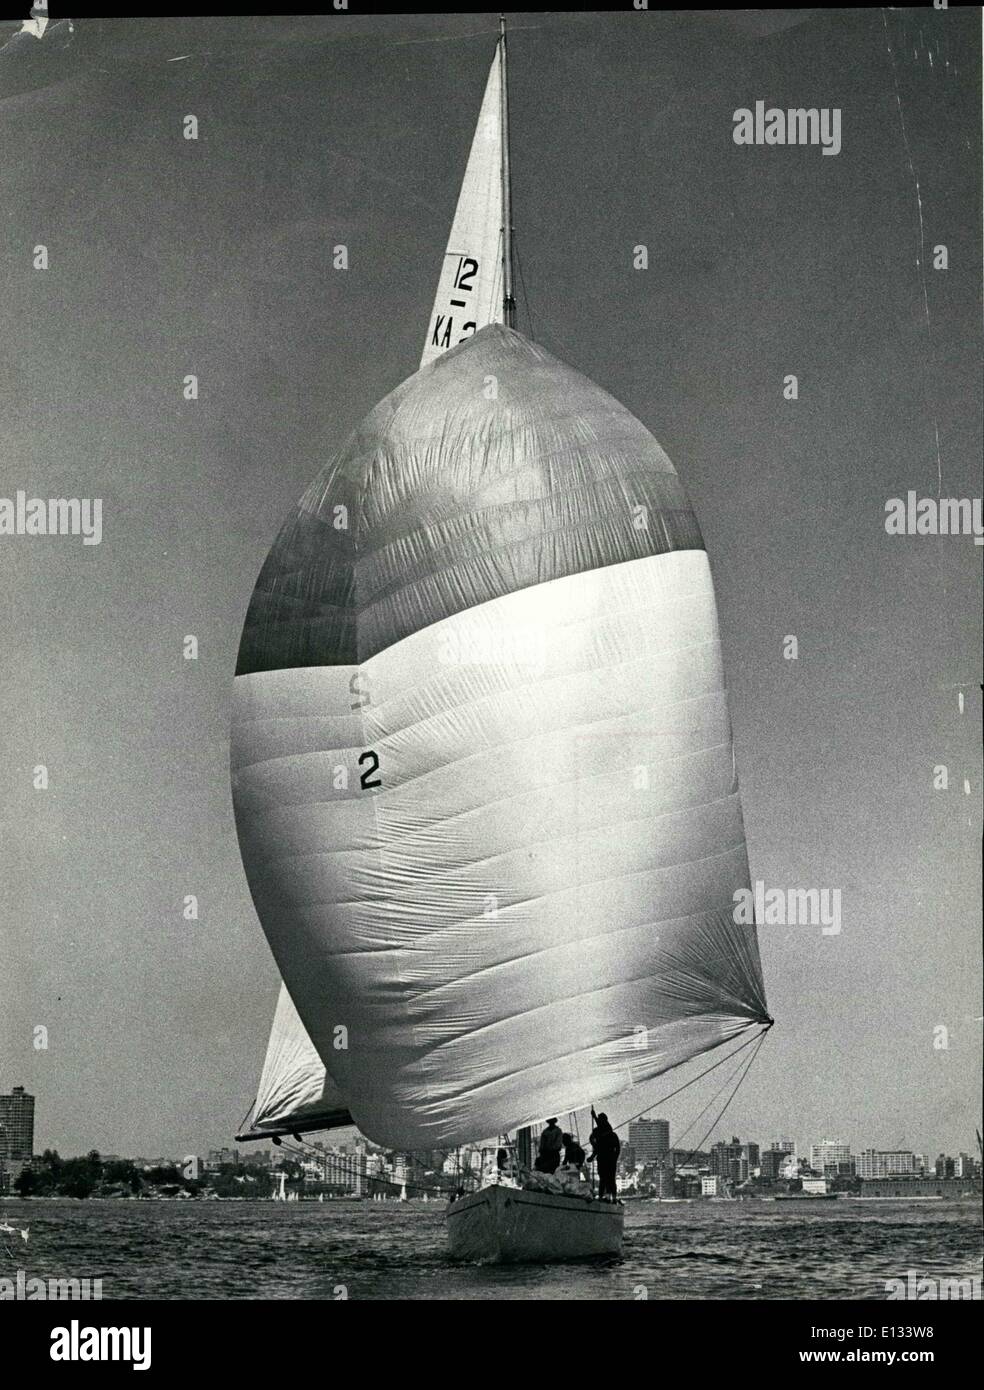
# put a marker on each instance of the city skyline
(349, 1134)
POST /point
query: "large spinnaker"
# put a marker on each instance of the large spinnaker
(482, 758)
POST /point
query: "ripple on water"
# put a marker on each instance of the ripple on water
(388, 1251)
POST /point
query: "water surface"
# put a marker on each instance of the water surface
(687, 1250)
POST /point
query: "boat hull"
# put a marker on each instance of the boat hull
(504, 1225)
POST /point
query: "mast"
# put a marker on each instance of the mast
(508, 302)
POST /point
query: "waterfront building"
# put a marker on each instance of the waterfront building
(17, 1125)
(723, 1155)
(343, 1171)
(921, 1187)
(772, 1163)
(734, 1161)
(831, 1156)
(712, 1185)
(886, 1163)
(650, 1140)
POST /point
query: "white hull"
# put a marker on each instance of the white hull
(505, 1225)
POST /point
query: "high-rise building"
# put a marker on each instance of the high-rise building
(650, 1139)
(17, 1125)
(734, 1161)
(886, 1163)
(783, 1146)
(830, 1156)
(772, 1163)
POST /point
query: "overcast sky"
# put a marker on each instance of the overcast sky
(170, 256)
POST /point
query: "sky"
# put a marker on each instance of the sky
(169, 256)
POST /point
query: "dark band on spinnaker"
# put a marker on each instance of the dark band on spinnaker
(419, 517)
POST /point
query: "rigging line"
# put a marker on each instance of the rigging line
(522, 281)
(759, 1041)
(701, 1113)
(719, 1063)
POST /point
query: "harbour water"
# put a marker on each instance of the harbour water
(689, 1250)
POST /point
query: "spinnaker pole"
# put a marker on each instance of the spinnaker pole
(508, 302)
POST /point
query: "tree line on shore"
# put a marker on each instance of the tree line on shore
(94, 1176)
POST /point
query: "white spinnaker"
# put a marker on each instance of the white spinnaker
(528, 904)
(469, 292)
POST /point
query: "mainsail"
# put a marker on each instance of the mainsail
(469, 297)
(469, 292)
(295, 1095)
(483, 775)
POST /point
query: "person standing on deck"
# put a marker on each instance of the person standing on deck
(605, 1147)
(551, 1143)
(573, 1153)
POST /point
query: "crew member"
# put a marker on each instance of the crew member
(605, 1147)
(551, 1143)
(573, 1153)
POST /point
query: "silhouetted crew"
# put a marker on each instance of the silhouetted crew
(551, 1143)
(573, 1153)
(605, 1147)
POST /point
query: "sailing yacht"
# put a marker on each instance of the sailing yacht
(482, 763)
